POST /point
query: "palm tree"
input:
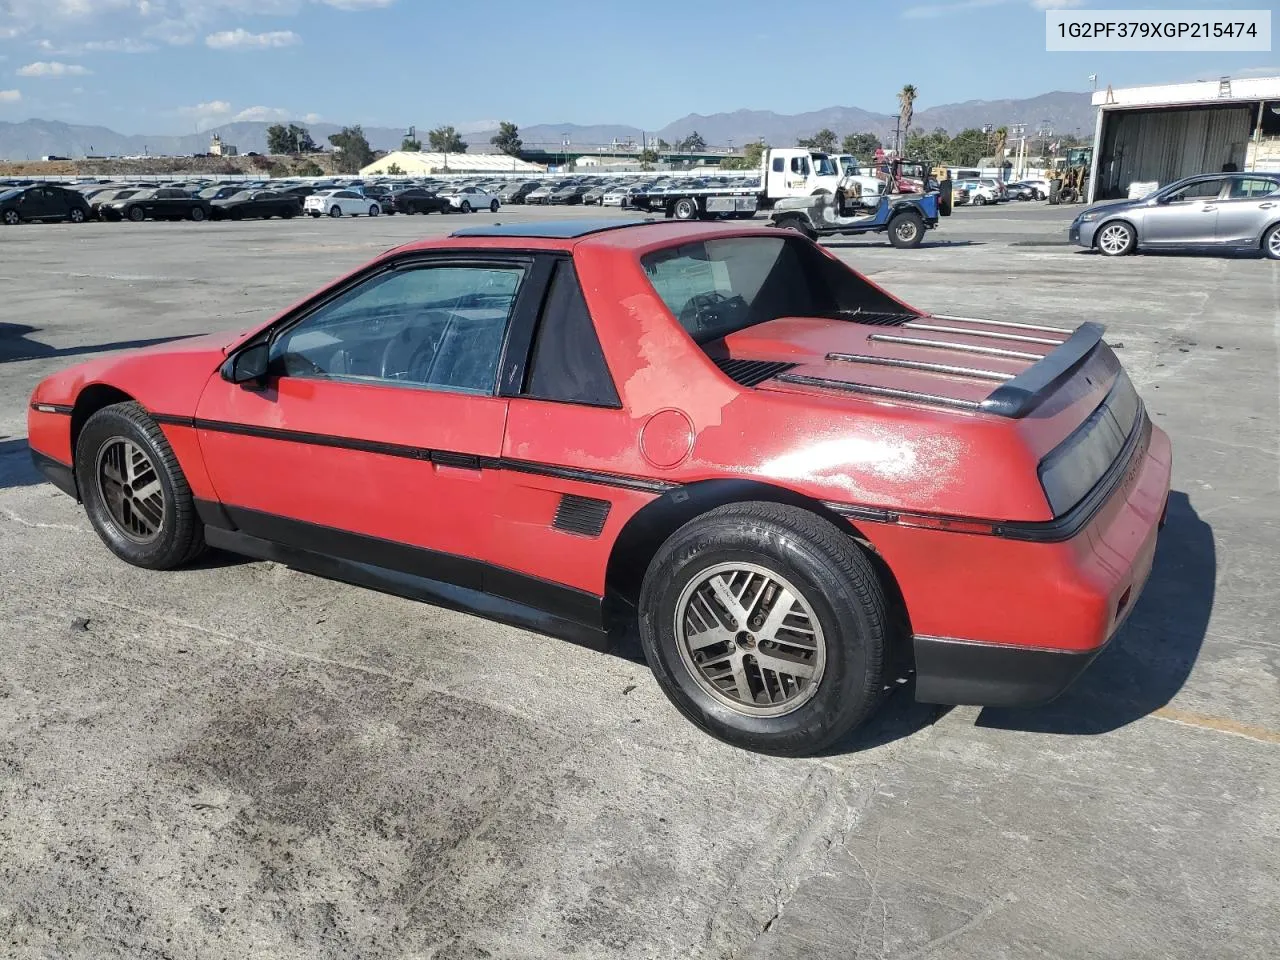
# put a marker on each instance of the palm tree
(906, 97)
(1001, 138)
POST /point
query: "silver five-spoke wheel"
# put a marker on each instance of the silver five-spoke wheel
(750, 639)
(1273, 244)
(131, 489)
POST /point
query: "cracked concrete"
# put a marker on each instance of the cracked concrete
(239, 760)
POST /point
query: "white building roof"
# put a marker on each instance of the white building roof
(420, 164)
(1225, 90)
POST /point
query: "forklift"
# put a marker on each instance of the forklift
(1070, 181)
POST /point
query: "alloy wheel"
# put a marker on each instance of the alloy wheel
(1114, 239)
(1273, 244)
(131, 489)
(750, 639)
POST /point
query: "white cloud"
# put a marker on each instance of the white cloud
(10, 96)
(258, 114)
(97, 46)
(52, 68)
(241, 39)
(312, 118)
(357, 4)
(207, 114)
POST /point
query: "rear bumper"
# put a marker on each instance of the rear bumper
(994, 674)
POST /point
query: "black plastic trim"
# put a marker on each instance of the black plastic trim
(588, 476)
(60, 408)
(61, 475)
(584, 516)
(501, 608)
(1021, 395)
(212, 514)
(994, 674)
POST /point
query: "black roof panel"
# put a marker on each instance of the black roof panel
(550, 229)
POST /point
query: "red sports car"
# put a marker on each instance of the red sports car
(790, 480)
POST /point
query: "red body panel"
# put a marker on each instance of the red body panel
(681, 421)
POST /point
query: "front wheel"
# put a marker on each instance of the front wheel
(76, 215)
(137, 215)
(11, 218)
(493, 206)
(1116, 239)
(374, 210)
(979, 201)
(466, 206)
(1271, 242)
(197, 214)
(335, 211)
(906, 230)
(767, 627)
(134, 491)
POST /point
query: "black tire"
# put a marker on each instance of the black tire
(493, 206)
(1040, 195)
(979, 200)
(375, 210)
(137, 214)
(197, 214)
(798, 225)
(1271, 242)
(315, 214)
(287, 215)
(335, 211)
(76, 215)
(906, 230)
(684, 209)
(180, 535)
(466, 206)
(1115, 239)
(833, 577)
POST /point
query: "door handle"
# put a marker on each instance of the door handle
(1265, 206)
(1208, 209)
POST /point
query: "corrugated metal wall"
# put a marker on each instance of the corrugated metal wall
(1166, 145)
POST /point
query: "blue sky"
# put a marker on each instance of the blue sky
(174, 66)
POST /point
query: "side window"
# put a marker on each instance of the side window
(567, 363)
(439, 327)
(779, 165)
(800, 165)
(1204, 190)
(1251, 189)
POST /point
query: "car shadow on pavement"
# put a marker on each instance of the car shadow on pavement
(16, 344)
(1151, 656)
(16, 468)
(924, 245)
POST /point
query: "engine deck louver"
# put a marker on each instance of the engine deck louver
(749, 373)
(881, 319)
(584, 516)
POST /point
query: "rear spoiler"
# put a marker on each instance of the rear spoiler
(1020, 396)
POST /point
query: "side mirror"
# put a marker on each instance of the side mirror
(1161, 201)
(248, 365)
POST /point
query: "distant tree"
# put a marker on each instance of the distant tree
(824, 141)
(394, 170)
(291, 139)
(998, 141)
(906, 108)
(968, 147)
(647, 159)
(861, 145)
(353, 149)
(410, 145)
(693, 144)
(308, 168)
(446, 140)
(934, 146)
(663, 145)
(752, 153)
(507, 139)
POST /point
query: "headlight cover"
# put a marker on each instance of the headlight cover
(1087, 216)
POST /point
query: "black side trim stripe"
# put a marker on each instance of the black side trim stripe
(52, 408)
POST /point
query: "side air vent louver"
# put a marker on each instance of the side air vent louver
(880, 319)
(581, 515)
(749, 373)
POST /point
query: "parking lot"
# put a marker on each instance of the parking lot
(240, 760)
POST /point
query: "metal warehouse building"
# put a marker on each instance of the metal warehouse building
(1163, 133)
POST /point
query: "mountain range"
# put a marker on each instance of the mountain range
(1062, 112)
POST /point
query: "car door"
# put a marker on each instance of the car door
(374, 434)
(34, 204)
(1249, 205)
(59, 203)
(1188, 215)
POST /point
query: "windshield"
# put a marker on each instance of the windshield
(823, 165)
(717, 287)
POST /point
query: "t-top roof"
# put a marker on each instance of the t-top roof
(551, 229)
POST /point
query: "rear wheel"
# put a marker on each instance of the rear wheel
(137, 215)
(906, 230)
(76, 215)
(767, 627)
(11, 218)
(1271, 242)
(493, 206)
(197, 214)
(375, 210)
(1116, 239)
(335, 211)
(685, 209)
(134, 491)
(798, 225)
(979, 200)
